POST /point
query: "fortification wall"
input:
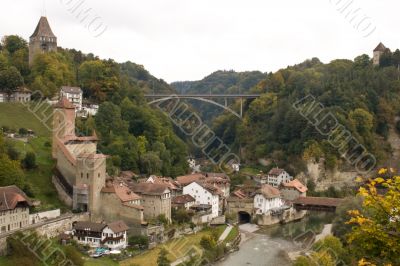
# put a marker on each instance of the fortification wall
(66, 168)
(112, 209)
(62, 195)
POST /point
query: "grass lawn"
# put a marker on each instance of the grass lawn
(232, 234)
(249, 171)
(16, 116)
(39, 179)
(103, 261)
(5, 261)
(177, 248)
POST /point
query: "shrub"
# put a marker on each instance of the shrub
(29, 161)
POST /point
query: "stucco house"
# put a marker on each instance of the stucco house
(112, 235)
(205, 194)
(172, 185)
(183, 201)
(267, 199)
(277, 176)
(73, 94)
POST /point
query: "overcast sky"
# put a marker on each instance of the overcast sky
(189, 39)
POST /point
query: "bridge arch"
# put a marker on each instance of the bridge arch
(225, 107)
(244, 217)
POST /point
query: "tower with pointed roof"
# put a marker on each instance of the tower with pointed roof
(42, 40)
(378, 51)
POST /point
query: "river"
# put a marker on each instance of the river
(268, 246)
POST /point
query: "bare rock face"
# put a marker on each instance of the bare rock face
(324, 178)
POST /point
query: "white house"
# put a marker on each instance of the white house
(73, 94)
(277, 176)
(112, 236)
(266, 199)
(204, 194)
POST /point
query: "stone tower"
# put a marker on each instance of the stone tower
(90, 179)
(42, 40)
(63, 123)
(378, 51)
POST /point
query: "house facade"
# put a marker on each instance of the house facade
(14, 209)
(184, 201)
(172, 185)
(74, 96)
(20, 95)
(277, 176)
(204, 194)
(112, 236)
(266, 199)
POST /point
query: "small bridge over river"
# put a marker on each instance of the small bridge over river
(208, 98)
(317, 203)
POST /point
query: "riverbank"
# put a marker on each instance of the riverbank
(271, 245)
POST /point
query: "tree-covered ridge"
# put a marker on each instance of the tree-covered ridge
(362, 97)
(229, 82)
(138, 137)
(100, 79)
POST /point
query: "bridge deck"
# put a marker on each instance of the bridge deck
(208, 96)
(317, 203)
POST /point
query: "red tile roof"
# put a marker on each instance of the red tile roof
(149, 188)
(118, 226)
(121, 190)
(295, 184)
(11, 196)
(183, 199)
(187, 179)
(331, 202)
(268, 191)
(276, 171)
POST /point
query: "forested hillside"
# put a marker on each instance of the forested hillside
(363, 98)
(221, 82)
(138, 137)
(229, 82)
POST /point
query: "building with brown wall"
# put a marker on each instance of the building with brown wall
(156, 199)
(14, 209)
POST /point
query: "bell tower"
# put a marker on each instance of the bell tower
(42, 40)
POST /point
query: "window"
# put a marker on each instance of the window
(87, 175)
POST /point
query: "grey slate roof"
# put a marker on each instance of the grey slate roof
(43, 29)
(72, 90)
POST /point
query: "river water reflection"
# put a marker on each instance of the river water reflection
(269, 246)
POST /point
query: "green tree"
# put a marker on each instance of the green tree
(29, 161)
(162, 259)
(362, 120)
(10, 79)
(10, 172)
(13, 43)
(140, 241)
